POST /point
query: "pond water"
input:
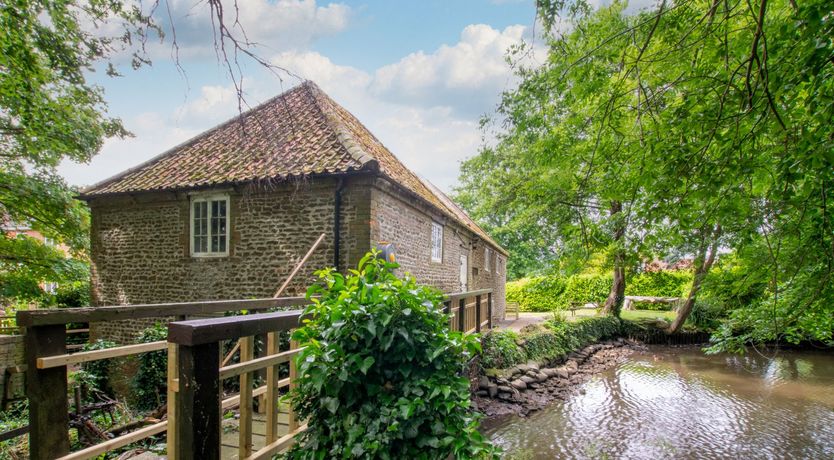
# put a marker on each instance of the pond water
(680, 403)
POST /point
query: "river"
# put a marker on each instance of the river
(680, 403)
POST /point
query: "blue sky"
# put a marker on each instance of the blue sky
(419, 74)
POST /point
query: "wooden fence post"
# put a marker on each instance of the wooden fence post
(198, 402)
(247, 353)
(47, 393)
(489, 310)
(292, 420)
(477, 313)
(462, 317)
(173, 383)
(272, 375)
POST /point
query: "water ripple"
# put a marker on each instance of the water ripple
(683, 404)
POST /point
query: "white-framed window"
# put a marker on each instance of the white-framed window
(436, 242)
(487, 257)
(209, 225)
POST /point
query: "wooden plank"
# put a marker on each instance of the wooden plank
(462, 311)
(198, 402)
(292, 420)
(116, 313)
(115, 443)
(11, 434)
(462, 295)
(46, 390)
(234, 401)
(173, 385)
(200, 331)
(95, 355)
(477, 313)
(272, 348)
(255, 364)
(279, 445)
(247, 353)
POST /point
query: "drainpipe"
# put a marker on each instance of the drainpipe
(337, 220)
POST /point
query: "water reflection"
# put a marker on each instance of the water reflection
(683, 404)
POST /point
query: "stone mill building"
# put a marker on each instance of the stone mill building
(228, 214)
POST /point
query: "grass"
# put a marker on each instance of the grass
(630, 315)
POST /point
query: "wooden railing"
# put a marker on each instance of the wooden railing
(471, 311)
(195, 372)
(196, 344)
(47, 361)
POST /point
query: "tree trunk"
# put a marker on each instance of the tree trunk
(614, 302)
(703, 263)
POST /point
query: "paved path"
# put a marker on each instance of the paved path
(524, 319)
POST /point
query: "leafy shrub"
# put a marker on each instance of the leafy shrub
(707, 313)
(379, 374)
(73, 295)
(501, 350)
(582, 289)
(666, 283)
(96, 374)
(653, 306)
(554, 292)
(536, 294)
(150, 383)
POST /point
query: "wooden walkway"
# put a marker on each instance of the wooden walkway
(229, 439)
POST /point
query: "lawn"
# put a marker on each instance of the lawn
(625, 314)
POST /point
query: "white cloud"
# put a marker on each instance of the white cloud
(468, 76)
(273, 25)
(424, 108)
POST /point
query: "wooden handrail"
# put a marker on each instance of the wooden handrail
(203, 331)
(95, 355)
(462, 295)
(115, 313)
(257, 364)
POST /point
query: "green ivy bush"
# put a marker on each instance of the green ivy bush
(707, 314)
(96, 374)
(379, 376)
(667, 283)
(501, 350)
(150, 383)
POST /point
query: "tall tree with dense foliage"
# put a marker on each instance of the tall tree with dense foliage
(723, 123)
(48, 113)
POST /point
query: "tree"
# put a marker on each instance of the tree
(49, 112)
(714, 119)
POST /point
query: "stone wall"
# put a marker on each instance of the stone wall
(11, 355)
(406, 222)
(141, 253)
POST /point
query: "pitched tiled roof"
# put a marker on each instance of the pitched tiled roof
(300, 132)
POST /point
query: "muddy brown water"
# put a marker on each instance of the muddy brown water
(679, 403)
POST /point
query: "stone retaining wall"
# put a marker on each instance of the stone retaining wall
(11, 355)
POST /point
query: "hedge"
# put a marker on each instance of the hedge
(503, 349)
(554, 292)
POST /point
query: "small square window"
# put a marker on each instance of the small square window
(436, 242)
(210, 225)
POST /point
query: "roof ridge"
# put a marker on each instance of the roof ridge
(190, 141)
(337, 125)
